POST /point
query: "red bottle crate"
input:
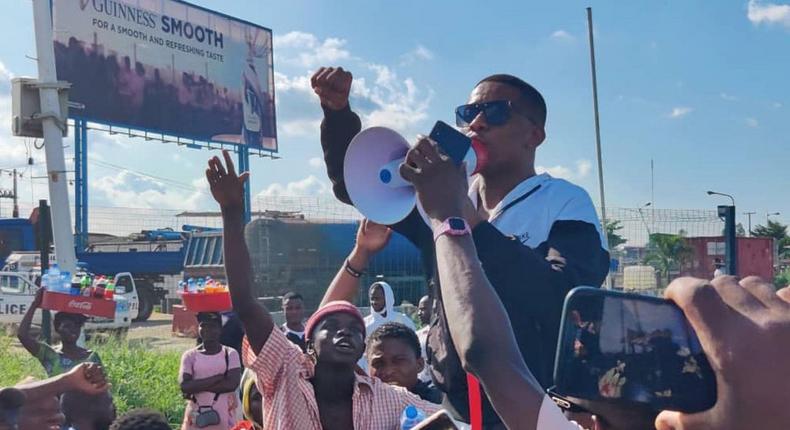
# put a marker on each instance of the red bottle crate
(78, 304)
(207, 302)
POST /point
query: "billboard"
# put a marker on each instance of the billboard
(168, 67)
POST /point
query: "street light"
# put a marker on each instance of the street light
(711, 193)
(770, 214)
(749, 216)
(727, 214)
(642, 217)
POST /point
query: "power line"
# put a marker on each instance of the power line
(148, 175)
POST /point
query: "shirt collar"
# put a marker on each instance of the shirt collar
(522, 188)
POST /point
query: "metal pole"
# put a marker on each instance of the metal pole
(244, 166)
(15, 213)
(53, 138)
(749, 218)
(44, 240)
(597, 122)
(80, 183)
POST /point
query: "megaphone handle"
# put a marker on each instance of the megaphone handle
(390, 174)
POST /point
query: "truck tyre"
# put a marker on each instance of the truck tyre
(146, 304)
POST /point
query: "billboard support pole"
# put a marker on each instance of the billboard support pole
(53, 137)
(81, 183)
(244, 166)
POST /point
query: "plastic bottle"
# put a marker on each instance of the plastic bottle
(192, 285)
(65, 282)
(109, 292)
(410, 417)
(98, 291)
(201, 286)
(53, 279)
(76, 282)
(85, 284)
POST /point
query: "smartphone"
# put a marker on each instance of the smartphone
(630, 351)
(438, 421)
(454, 143)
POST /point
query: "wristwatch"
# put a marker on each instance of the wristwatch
(453, 226)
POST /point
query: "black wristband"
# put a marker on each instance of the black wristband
(351, 271)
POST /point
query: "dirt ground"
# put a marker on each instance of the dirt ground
(157, 333)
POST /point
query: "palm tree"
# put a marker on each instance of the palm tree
(613, 238)
(776, 230)
(667, 253)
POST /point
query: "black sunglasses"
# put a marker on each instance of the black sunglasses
(497, 112)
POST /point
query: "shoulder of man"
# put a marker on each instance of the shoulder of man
(565, 190)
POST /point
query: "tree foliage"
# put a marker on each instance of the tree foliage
(667, 253)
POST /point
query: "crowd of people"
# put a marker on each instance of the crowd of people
(501, 255)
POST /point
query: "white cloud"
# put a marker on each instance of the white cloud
(583, 168)
(283, 83)
(379, 94)
(728, 97)
(563, 36)
(752, 122)
(399, 104)
(768, 13)
(680, 112)
(309, 186)
(777, 105)
(300, 127)
(316, 162)
(306, 50)
(420, 53)
(5, 74)
(128, 189)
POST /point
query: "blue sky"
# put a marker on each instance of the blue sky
(699, 87)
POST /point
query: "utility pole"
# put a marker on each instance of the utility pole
(15, 213)
(53, 137)
(749, 218)
(597, 121)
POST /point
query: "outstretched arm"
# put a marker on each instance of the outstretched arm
(371, 238)
(227, 189)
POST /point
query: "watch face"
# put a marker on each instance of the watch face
(456, 223)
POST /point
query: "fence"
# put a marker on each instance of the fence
(647, 245)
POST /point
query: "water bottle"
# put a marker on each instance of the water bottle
(201, 286)
(53, 279)
(192, 285)
(411, 417)
(65, 283)
(76, 283)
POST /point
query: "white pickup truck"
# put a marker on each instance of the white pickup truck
(17, 292)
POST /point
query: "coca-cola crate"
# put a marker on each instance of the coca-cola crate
(207, 302)
(78, 304)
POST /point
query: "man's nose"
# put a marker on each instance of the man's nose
(479, 123)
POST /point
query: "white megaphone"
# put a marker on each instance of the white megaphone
(372, 177)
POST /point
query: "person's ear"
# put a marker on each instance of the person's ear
(536, 136)
(420, 364)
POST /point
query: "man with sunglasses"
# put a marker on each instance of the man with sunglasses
(536, 236)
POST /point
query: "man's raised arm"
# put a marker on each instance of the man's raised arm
(227, 189)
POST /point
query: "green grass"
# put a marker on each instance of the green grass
(141, 376)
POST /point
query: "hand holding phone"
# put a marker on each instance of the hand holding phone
(631, 351)
(454, 143)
